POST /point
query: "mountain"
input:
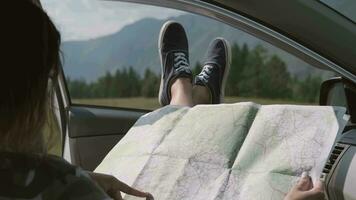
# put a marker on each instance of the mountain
(136, 45)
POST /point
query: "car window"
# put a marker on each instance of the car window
(111, 56)
(345, 7)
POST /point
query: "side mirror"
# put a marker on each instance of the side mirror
(339, 91)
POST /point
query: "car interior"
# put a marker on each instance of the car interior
(89, 132)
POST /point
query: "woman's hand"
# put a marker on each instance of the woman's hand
(305, 190)
(113, 187)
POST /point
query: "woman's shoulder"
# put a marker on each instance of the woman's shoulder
(29, 176)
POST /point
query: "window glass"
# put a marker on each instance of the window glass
(345, 7)
(111, 56)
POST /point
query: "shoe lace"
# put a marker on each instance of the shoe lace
(206, 72)
(181, 62)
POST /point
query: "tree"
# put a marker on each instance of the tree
(307, 90)
(134, 83)
(78, 88)
(251, 83)
(275, 79)
(238, 63)
(150, 84)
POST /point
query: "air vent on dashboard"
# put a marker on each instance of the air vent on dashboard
(337, 151)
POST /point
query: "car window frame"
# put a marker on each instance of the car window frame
(251, 26)
(232, 19)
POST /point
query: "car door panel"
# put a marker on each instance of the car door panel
(93, 131)
(88, 152)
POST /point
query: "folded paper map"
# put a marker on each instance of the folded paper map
(228, 151)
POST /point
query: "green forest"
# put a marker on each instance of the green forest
(253, 73)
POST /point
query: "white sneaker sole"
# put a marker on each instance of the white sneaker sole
(227, 68)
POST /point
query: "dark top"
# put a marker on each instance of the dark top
(44, 178)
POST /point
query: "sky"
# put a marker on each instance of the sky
(87, 19)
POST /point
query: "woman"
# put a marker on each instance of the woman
(30, 58)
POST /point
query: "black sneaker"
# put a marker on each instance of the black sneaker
(173, 50)
(216, 69)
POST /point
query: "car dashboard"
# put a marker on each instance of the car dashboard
(339, 172)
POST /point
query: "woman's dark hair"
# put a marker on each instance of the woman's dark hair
(29, 58)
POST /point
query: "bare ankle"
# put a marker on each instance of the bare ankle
(181, 85)
(181, 92)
